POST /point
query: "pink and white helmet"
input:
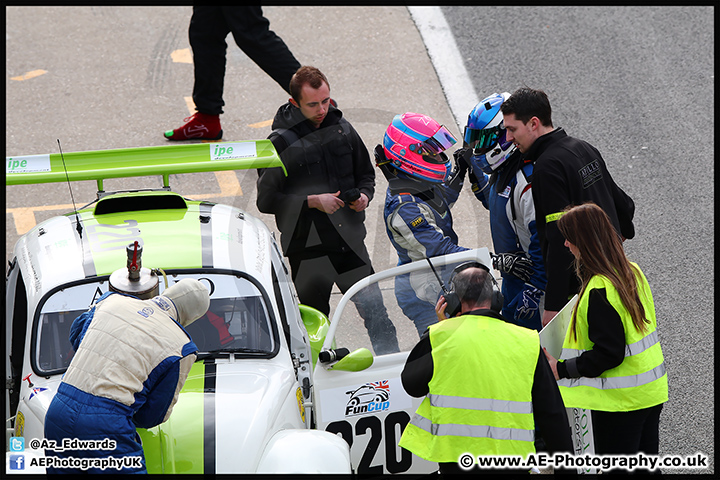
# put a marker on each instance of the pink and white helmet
(414, 144)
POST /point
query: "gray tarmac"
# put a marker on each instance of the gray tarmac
(636, 82)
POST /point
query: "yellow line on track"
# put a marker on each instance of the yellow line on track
(24, 217)
(29, 75)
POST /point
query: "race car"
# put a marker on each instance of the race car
(276, 387)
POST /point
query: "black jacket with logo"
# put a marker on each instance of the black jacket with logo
(326, 159)
(567, 172)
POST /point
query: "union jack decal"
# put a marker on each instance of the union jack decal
(381, 385)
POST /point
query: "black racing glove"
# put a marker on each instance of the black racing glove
(515, 264)
(529, 303)
(456, 177)
(461, 156)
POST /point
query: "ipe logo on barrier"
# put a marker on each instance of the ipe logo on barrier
(368, 398)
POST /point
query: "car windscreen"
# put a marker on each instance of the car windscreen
(239, 319)
(236, 321)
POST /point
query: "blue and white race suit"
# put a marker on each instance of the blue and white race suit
(419, 226)
(132, 358)
(512, 226)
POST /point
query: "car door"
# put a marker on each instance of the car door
(369, 408)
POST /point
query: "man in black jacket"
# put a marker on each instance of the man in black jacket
(568, 171)
(319, 206)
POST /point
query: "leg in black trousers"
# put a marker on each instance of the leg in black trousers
(314, 277)
(627, 433)
(209, 27)
(251, 31)
(207, 33)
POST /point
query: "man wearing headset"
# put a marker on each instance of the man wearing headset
(504, 390)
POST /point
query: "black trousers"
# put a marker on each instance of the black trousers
(209, 27)
(315, 273)
(627, 433)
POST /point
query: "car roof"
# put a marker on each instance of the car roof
(201, 235)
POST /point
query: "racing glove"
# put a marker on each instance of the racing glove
(514, 264)
(456, 177)
(529, 303)
(461, 155)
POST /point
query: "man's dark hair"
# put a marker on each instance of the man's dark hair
(309, 75)
(473, 286)
(526, 103)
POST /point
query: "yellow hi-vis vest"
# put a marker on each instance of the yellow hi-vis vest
(640, 381)
(480, 394)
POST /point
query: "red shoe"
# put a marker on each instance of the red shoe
(200, 126)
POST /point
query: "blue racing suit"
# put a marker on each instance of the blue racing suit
(513, 230)
(131, 359)
(419, 226)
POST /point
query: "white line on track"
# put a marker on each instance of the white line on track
(446, 59)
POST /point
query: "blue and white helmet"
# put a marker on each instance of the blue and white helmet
(485, 133)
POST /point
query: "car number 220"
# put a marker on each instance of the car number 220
(377, 432)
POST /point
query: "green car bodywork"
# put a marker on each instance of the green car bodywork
(165, 455)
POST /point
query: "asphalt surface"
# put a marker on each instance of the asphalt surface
(636, 82)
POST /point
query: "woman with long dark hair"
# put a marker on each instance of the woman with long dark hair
(611, 362)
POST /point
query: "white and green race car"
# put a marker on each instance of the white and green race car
(270, 391)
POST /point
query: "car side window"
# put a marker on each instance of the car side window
(54, 348)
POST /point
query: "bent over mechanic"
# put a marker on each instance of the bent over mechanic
(131, 360)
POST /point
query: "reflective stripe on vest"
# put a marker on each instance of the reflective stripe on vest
(480, 399)
(640, 381)
(630, 350)
(465, 403)
(615, 382)
(553, 217)
(475, 431)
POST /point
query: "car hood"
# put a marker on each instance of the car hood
(224, 417)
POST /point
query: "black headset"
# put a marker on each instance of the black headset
(453, 300)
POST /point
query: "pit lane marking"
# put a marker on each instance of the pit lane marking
(29, 75)
(182, 55)
(24, 217)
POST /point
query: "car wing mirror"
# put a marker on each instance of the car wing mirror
(355, 361)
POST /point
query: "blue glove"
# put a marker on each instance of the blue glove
(529, 303)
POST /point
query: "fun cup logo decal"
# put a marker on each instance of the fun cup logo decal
(370, 397)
